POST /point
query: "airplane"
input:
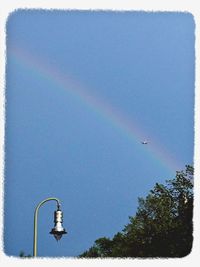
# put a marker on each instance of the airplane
(144, 142)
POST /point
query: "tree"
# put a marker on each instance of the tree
(22, 255)
(161, 227)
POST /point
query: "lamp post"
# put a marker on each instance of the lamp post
(58, 229)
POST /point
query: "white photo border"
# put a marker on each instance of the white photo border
(191, 6)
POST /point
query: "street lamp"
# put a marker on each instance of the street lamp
(58, 229)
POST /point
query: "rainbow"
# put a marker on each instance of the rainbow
(128, 128)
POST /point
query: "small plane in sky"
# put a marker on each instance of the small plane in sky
(144, 142)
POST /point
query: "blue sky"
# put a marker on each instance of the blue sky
(83, 89)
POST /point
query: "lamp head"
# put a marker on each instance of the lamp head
(58, 229)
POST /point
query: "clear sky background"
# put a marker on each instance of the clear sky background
(83, 89)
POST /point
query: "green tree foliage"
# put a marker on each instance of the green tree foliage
(22, 255)
(161, 227)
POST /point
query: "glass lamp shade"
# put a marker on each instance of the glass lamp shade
(58, 234)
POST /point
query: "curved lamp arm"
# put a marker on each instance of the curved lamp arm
(36, 219)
